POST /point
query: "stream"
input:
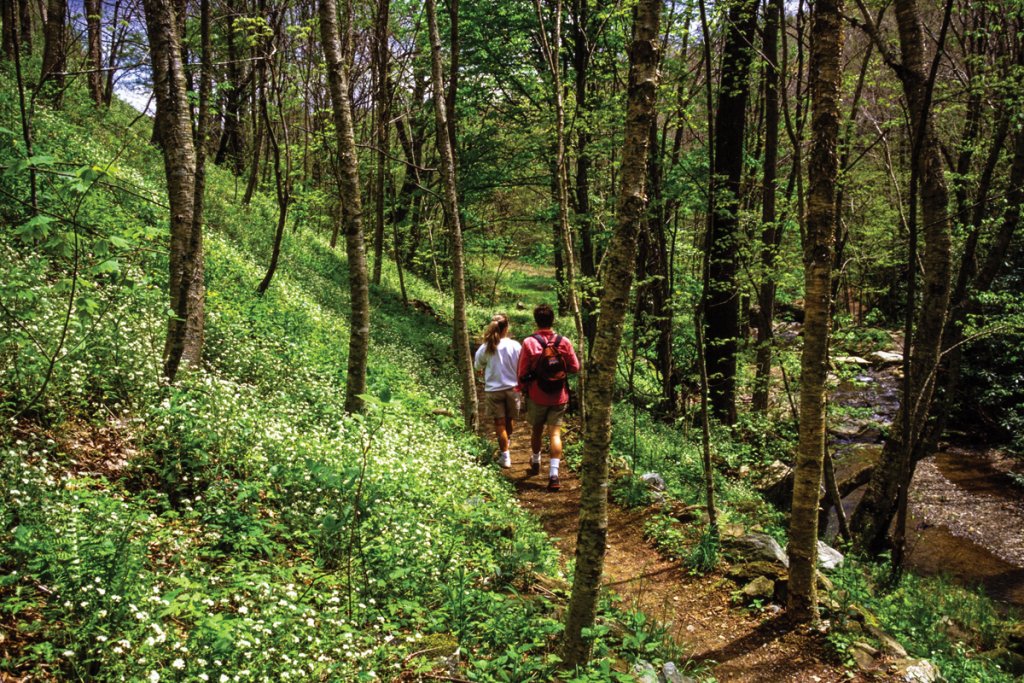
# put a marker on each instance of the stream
(966, 511)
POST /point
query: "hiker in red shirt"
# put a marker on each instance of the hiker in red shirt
(546, 361)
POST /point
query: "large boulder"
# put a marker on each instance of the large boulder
(755, 547)
(828, 557)
(653, 481)
(775, 483)
(885, 358)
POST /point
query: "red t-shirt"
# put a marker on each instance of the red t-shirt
(531, 350)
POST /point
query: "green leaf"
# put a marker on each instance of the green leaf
(34, 229)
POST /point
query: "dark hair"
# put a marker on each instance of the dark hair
(495, 329)
(544, 316)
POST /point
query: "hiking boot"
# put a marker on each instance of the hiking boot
(553, 484)
(534, 468)
(505, 461)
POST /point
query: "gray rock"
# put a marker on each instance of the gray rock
(885, 358)
(890, 645)
(917, 671)
(654, 481)
(776, 484)
(670, 674)
(864, 656)
(754, 547)
(828, 557)
(645, 672)
(762, 587)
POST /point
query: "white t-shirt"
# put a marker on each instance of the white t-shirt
(499, 367)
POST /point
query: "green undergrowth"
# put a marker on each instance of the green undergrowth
(239, 525)
(958, 629)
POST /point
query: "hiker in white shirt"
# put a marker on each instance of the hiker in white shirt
(498, 359)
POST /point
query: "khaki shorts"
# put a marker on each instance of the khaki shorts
(551, 416)
(503, 403)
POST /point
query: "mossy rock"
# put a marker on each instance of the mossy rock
(748, 571)
(437, 645)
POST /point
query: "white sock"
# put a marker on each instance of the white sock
(506, 459)
(535, 458)
(554, 466)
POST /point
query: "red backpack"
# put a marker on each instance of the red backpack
(549, 368)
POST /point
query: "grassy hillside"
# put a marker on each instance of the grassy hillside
(238, 525)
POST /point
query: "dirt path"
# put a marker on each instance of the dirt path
(743, 647)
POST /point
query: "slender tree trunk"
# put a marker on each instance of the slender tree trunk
(552, 51)
(351, 207)
(450, 198)
(257, 146)
(93, 13)
(823, 168)
(8, 14)
(232, 135)
(771, 232)
(875, 513)
(381, 54)
(201, 142)
(113, 52)
(722, 310)
(25, 16)
(174, 132)
(581, 64)
(619, 262)
(55, 49)
(282, 177)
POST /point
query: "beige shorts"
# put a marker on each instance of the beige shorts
(551, 416)
(503, 403)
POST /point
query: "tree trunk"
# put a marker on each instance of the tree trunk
(55, 49)
(381, 54)
(351, 207)
(875, 513)
(552, 51)
(8, 12)
(93, 10)
(282, 177)
(232, 134)
(619, 263)
(581, 64)
(819, 241)
(113, 52)
(25, 17)
(722, 309)
(771, 232)
(463, 358)
(174, 132)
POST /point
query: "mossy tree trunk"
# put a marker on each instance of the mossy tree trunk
(351, 206)
(619, 266)
(173, 131)
(93, 13)
(819, 242)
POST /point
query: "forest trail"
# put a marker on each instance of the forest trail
(739, 646)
